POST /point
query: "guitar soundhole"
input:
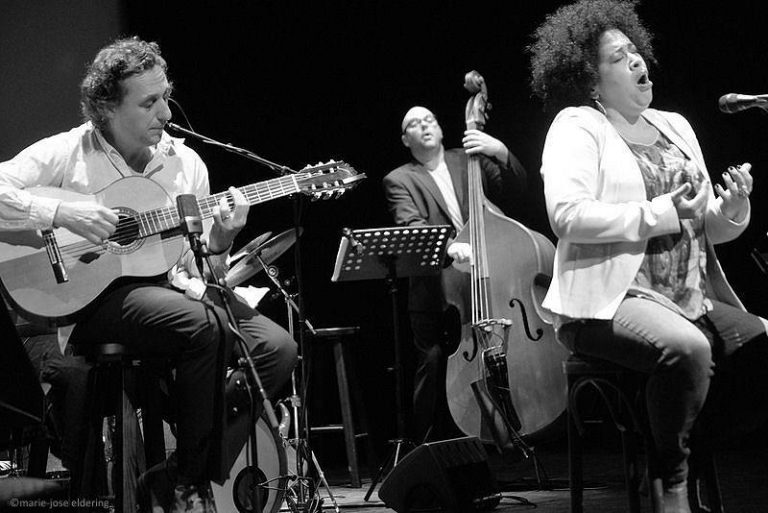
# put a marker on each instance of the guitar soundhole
(126, 236)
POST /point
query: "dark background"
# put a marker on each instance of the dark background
(302, 82)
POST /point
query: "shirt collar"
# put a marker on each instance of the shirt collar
(164, 148)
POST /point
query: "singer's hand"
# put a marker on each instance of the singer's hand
(227, 222)
(690, 208)
(738, 186)
(87, 219)
(476, 141)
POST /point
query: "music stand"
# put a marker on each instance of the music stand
(389, 254)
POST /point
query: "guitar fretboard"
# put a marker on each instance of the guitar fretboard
(167, 218)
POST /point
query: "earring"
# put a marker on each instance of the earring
(598, 105)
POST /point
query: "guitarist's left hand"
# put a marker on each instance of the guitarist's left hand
(227, 222)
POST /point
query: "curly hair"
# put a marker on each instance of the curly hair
(101, 87)
(565, 49)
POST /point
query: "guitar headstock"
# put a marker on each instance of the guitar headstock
(329, 180)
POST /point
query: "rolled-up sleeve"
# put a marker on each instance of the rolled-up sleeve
(37, 165)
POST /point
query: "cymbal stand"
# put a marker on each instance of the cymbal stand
(303, 502)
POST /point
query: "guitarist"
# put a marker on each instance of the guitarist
(124, 100)
(432, 189)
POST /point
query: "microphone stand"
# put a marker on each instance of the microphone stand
(191, 226)
(280, 170)
(275, 167)
(245, 360)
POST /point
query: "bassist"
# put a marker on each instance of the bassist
(432, 189)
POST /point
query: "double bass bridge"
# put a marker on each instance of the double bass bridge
(488, 334)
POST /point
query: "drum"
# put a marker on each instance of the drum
(272, 470)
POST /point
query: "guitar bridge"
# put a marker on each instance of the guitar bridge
(54, 256)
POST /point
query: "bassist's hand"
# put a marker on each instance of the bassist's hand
(88, 219)
(461, 253)
(475, 142)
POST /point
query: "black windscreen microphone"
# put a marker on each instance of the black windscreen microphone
(732, 103)
(190, 218)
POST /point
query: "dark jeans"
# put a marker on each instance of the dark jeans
(158, 320)
(721, 358)
(431, 418)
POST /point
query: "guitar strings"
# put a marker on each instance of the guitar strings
(166, 218)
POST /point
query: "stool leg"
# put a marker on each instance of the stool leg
(631, 470)
(575, 464)
(705, 474)
(89, 481)
(129, 458)
(152, 420)
(346, 413)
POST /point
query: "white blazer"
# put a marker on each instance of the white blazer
(598, 209)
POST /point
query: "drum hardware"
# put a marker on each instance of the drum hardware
(302, 494)
(305, 497)
(252, 382)
(270, 475)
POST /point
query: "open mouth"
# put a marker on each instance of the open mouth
(643, 80)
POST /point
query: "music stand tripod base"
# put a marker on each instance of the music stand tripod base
(389, 254)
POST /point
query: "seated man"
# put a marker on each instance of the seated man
(124, 99)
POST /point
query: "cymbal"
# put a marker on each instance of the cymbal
(255, 243)
(269, 251)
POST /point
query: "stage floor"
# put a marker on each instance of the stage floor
(743, 474)
(742, 469)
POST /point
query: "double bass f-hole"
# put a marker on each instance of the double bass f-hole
(539, 331)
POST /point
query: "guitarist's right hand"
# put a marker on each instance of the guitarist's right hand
(87, 219)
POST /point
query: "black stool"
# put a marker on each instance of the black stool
(621, 390)
(337, 337)
(118, 378)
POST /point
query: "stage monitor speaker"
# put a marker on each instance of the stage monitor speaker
(452, 475)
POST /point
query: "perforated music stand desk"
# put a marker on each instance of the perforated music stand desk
(414, 251)
(389, 254)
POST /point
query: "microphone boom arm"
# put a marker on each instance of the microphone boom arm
(279, 169)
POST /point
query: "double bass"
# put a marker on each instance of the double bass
(504, 382)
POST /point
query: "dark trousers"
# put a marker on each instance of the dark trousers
(714, 369)
(68, 376)
(431, 418)
(158, 320)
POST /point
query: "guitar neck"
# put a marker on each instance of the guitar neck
(159, 220)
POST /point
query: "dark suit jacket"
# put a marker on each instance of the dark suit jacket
(414, 199)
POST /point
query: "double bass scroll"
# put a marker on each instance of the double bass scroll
(505, 379)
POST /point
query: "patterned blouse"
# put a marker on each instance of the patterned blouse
(673, 272)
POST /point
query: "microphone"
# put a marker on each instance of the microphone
(356, 244)
(732, 103)
(190, 219)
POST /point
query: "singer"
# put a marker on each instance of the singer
(636, 278)
(124, 100)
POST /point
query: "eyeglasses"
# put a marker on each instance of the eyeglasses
(413, 123)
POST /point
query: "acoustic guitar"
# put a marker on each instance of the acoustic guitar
(54, 274)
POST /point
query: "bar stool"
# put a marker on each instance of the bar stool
(621, 390)
(337, 338)
(119, 382)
